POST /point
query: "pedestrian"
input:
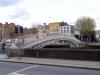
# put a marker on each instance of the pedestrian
(3, 47)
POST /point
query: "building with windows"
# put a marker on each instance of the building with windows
(65, 28)
(5, 29)
(60, 27)
(54, 27)
(42, 30)
(98, 35)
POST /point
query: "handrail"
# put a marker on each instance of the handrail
(30, 40)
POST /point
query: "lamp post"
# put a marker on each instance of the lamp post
(2, 40)
(2, 32)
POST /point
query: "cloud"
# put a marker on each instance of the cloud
(19, 14)
(26, 12)
(8, 2)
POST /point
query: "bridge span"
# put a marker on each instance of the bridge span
(40, 42)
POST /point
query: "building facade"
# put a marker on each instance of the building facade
(98, 35)
(54, 27)
(5, 29)
(60, 27)
(28, 31)
(66, 28)
(40, 31)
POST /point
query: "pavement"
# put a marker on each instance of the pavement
(95, 65)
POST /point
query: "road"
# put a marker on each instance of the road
(8, 68)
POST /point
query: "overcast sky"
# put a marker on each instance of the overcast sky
(28, 12)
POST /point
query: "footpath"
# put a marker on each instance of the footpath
(94, 65)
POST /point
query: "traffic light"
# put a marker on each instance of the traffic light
(21, 29)
(16, 30)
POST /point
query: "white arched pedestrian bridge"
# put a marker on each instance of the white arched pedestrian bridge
(50, 39)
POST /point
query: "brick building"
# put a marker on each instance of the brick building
(4, 29)
(28, 31)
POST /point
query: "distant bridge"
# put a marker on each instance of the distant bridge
(33, 42)
(50, 39)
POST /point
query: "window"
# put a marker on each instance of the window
(64, 31)
(67, 27)
(61, 27)
(67, 31)
(61, 31)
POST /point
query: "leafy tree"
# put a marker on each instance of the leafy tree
(85, 25)
(9, 33)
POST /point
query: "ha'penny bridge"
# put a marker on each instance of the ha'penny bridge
(34, 47)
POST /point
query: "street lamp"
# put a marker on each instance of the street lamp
(2, 34)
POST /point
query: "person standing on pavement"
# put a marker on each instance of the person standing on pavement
(3, 47)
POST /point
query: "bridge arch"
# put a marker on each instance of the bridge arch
(54, 39)
(65, 41)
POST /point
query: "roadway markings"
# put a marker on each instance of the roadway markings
(16, 72)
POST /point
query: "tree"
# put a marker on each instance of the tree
(85, 25)
(35, 30)
(9, 33)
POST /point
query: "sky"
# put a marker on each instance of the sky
(34, 12)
